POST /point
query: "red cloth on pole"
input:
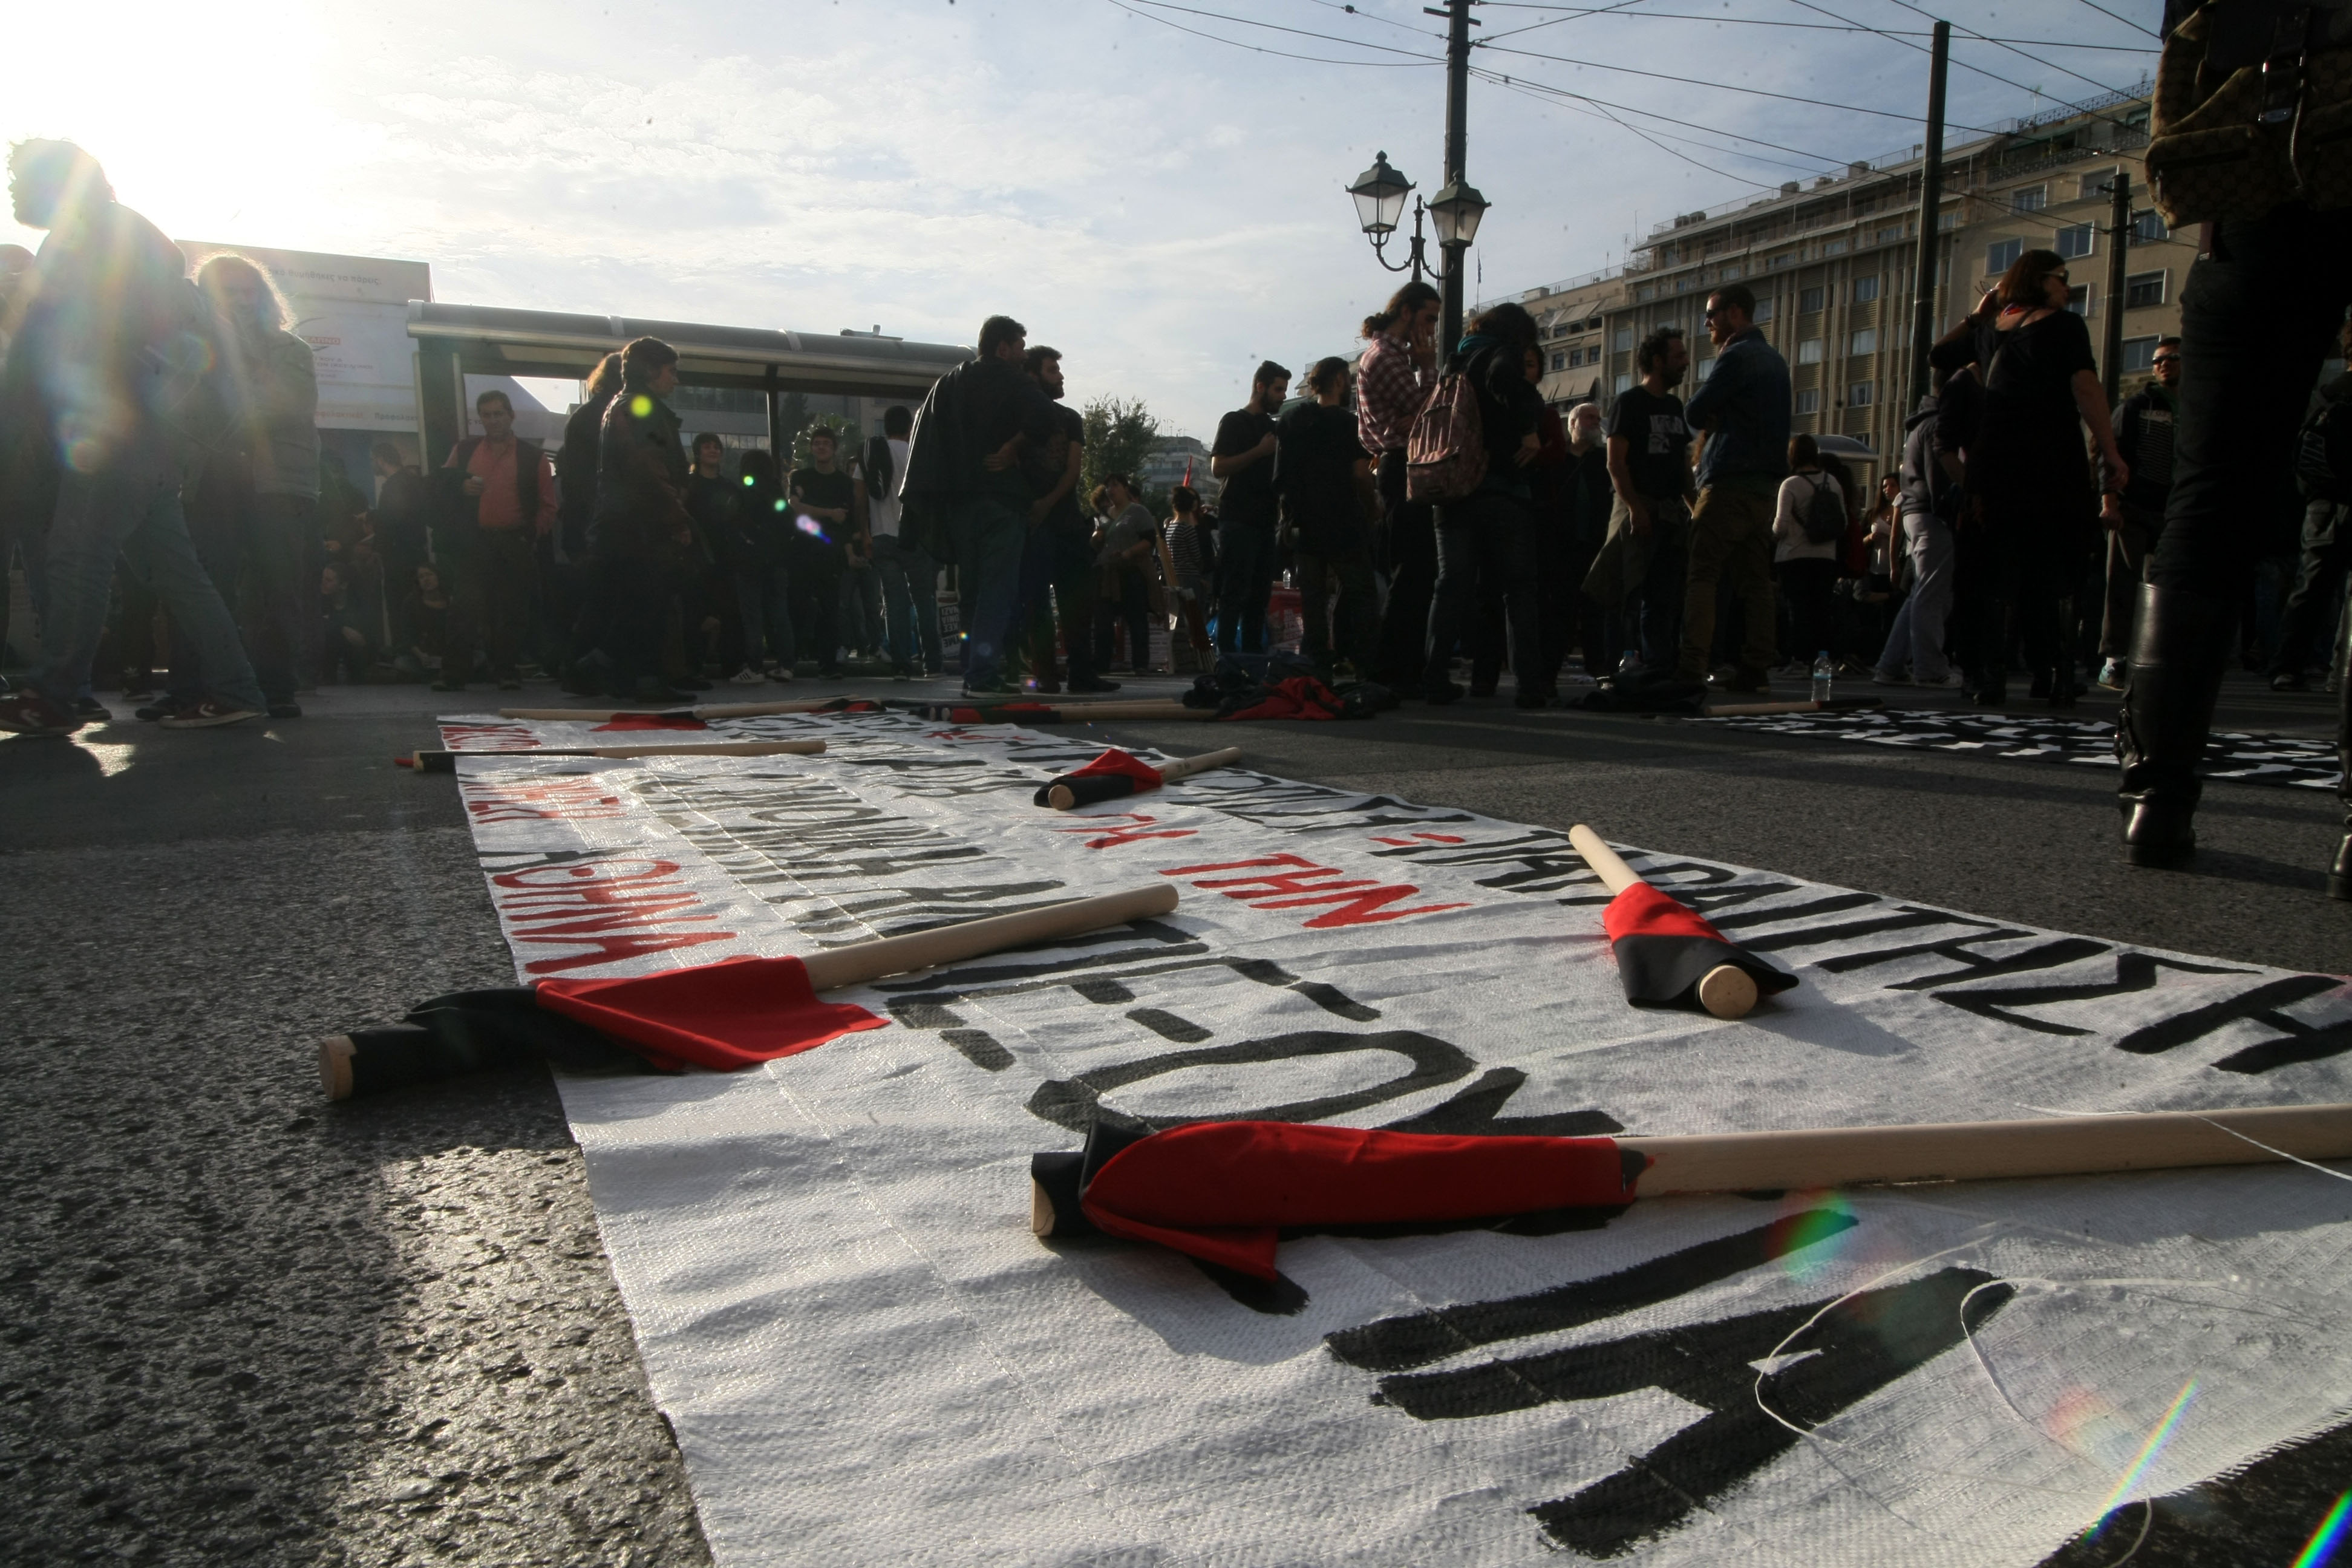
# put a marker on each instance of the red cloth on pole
(1220, 1190)
(1643, 910)
(1116, 763)
(726, 1016)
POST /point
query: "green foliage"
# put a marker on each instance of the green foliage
(1118, 438)
(846, 445)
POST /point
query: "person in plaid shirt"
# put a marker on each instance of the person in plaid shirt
(1394, 378)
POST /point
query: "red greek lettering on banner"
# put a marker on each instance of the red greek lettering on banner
(1118, 835)
(581, 799)
(501, 737)
(615, 910)
(1361, 901)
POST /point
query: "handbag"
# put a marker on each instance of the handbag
(2253, 109)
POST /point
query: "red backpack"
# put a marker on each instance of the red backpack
(1445, 454)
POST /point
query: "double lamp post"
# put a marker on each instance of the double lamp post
(1380, 190)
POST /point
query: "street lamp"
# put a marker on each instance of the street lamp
(1379, 191)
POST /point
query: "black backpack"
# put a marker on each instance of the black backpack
(1823, 518)
(2323, 455)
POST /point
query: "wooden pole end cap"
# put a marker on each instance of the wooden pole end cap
(1041, 1209)
(1061, 797)
(1727, 991)
(335, 1054)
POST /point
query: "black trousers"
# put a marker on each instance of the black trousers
(2308, 626)
(2020, 573)
(1486, 538)
(1408, 554)
(1344, 629)
(630, 607)
(1807, 584)
(489, 603)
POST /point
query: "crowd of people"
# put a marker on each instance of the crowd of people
(1433, 513)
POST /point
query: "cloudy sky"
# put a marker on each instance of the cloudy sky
(1167, 207)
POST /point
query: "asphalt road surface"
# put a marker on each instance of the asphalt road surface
(237, 1325)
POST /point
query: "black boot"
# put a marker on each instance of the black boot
(2179, 644)
(2339, 876)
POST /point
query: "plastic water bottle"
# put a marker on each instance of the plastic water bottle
(1824, 669)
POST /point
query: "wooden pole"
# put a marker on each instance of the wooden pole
(1835, 705)
(436, 762)
(1982, 1151)
(860, 962)
(1061, 798)
(712, 710)
(1727, 991)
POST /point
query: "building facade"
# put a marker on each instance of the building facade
(1832, 265)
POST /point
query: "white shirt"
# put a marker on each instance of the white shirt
(1788, 540)
(882, 511)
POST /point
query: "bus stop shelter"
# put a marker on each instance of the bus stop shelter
(454, 341)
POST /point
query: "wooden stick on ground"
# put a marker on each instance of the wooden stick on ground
(1756, 710)
(710, 710)
(1060, 798)
(1725, 991)
(436, 761)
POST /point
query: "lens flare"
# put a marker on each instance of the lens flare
(2148, 1452)
(2328, 1536)
(1813, 1234)
(641, 406)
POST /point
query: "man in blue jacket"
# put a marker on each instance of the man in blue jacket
(1743, 407)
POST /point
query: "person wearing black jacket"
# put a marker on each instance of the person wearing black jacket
(2133, 515)
(640, 523)
(1573, 501)
(1491, 531)
(964, 488)
(1323, 479)
(563, 575)
(2261, 305)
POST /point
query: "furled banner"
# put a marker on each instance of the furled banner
(868, 1356)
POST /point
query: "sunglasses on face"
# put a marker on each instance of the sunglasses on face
(2166, 358)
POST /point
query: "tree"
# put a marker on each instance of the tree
(1119, 436)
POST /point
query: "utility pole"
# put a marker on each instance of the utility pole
(1457, 135)
(1931, 218)
(2111, 362)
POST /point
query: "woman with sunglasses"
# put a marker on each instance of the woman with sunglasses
(2032, 514)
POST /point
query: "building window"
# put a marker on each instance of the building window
(2028, 198)
(1704, 369)
(1560, 362)
(2095, 186)
(1777, 262)
(1623, 341)
(1864, 342)
(1731, 274)
(1810, 298)
(1866, 289)
(1889, 236)
(2142, 288)
(1947, 221)
(1644, 292)
(1809, 400)
(2139, 354)
(2002, 255)
(1624, 380)
(1763, 309)
(1834, 248)
(1683, 283)
(1809, 351)
(2149, 228)
(2076, 240)
(1858, 395)
(2078, 299)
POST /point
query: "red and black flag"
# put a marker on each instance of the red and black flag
(724, 1016)
(1666, 948)
(1223, 1191)
(1114, 775)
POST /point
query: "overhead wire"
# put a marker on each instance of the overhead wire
(1964, 65)
(2127, 21)
(1132, 7)
(2012, 48)
(1723, 87)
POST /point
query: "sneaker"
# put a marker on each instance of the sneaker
(783, 672)
(747, 675)
(285, 711)
(29, 713)
(1950, 680)
(1881, 678)
(902, 672)
(2285, 680)
(209, 714)
(91, 711)
(2112, 675)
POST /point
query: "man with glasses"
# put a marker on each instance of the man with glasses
(2134, 515)
(1744, 409)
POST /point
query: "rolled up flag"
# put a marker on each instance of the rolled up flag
(724, 1016)
(1668, 955)
(1222, 1191)
(1116, 774)
(442, 762)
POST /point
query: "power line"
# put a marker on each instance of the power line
(2127, 21)
(1821, 158)
(1996, 76)
(1590, 11)
(2012, 48)
(1722, 86)
(1281, 54)
(1835, 28)
(1558, 98)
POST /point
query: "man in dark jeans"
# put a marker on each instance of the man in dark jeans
(1649, 521)
(835, 501)
(1491, 531)
(1061, 539)
(2134, 516)
(1744, 409)
(1323, 477)
(1243, 457)
(2261, 305)
(640, 525)
(497, 497)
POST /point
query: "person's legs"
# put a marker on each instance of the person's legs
(160, 549)
(1411, 558)
(1748, 569)
(1452, 597)
(2326, 548)
(460, 555)
(1506, 552)
(1711, 541)
(752, 609)
(511, 570)
(1246, 579)
(1315, 608)
(2256, 318)
(1355, 630)
(989, 535)
(284, 605)
(898, 604)
(1930, 603)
